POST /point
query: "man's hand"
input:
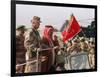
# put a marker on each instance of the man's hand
(39, 49)
(56, 47)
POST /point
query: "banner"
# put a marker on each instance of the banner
(72, 29)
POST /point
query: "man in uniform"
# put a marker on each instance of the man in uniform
(92, 52)
(83, 44)
(32, 44)
(20, 49)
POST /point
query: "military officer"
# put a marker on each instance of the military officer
(20, 49)
(32, 44)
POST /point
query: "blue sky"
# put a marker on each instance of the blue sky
(51, 15)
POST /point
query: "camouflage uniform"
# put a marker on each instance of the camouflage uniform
(31, 43)
(92, 58)
(20, 53)
(84, 45)
(92, 55)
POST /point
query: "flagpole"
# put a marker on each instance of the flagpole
(83, 32)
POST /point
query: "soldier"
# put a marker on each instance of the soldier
(20, 49)
(92, 53)
(32, 44)
(75, 48)
(84, 45)
(69, 46)
(55, 40)
(60, 59)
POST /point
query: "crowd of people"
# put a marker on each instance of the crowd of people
(47, 49)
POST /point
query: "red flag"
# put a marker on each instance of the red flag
(72, 29)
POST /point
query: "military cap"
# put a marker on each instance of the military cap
(75, 40)
(21, 27)
(82, 39)
(92, 40)
(36, 18)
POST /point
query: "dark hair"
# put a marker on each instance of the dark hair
(62, 48)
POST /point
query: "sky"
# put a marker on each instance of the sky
(52, 15)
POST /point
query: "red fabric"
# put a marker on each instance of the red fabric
(47, 31)
(47, 40)
(72, 29)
